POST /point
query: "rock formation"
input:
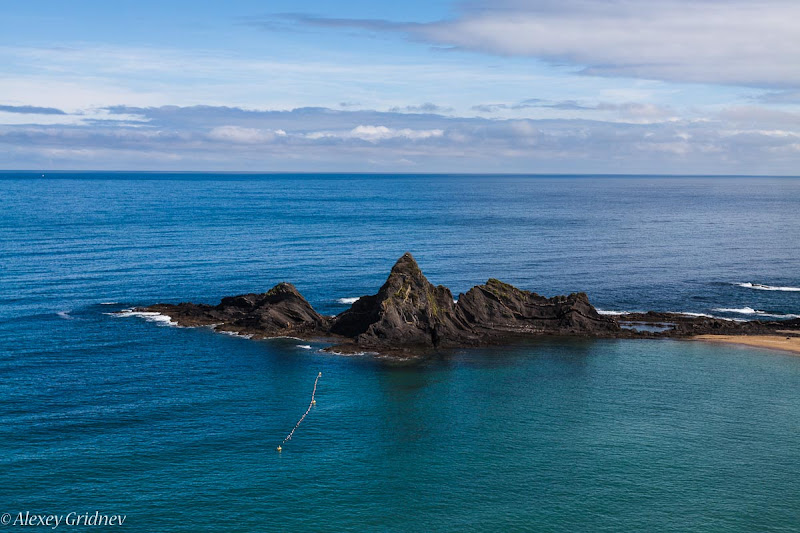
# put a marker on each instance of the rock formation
(281, 311)
(407, 311)
(409, 314)
(498, 307)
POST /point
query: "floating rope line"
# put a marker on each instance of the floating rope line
(312, 404)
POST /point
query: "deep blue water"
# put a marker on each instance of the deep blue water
(177, 427)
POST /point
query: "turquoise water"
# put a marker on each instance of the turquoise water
(177, 428)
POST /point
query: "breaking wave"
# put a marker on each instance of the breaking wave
(684, 313)
(760, 287)
(158, 318)
(751, 311)
(351, 301)
(234, 333)
(740, 310)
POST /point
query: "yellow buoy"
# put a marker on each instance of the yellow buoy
(313, 402)
(279, 448)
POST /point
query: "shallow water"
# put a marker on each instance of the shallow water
(177, 427)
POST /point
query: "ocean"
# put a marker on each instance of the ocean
(176, 428)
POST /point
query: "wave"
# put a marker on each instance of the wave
(760, 287)
(65, 315)
(684, 313)
(234, 333)
(700, 315)
(109, 303)
(612, 313)
(740, 310)
(350, 301)
(162, 320)
(304, 346)
(355, 354)
(751, 311)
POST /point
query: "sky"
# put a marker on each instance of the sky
(500, 86)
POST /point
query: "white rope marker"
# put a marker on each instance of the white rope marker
(312, 404)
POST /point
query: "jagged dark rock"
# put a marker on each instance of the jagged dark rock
(681, 325)
(408, 310)
(281, 311)
(409, 315)
(498, 307)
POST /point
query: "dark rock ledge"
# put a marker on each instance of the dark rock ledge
(410, 315)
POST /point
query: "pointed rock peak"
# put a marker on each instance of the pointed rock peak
(406, 265)
(283, 291)
(279, 293)
(407, 311)
(282, 288)
(500, 285)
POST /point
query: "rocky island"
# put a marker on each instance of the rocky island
(409, 315)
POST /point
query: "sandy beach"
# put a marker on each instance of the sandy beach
(775, 342)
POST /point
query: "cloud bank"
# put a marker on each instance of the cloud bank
(737, 42)
(31, 110)
(743, 140)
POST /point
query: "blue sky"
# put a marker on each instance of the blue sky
(611, 86)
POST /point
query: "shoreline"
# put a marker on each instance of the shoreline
(784, 343)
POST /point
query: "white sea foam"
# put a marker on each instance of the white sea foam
(350, 354)
(684, 313)
(158, 318)
(304, 346)
(233, 334)
(350, 301)
(751, 311)
(787, 316)
(65, 315)
(612, 313)
(706, 315)
(740, 310)
(702, 315)
(760, 287)
(109, 303)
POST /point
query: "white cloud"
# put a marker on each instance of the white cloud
(379, 133)
(738, 42)
(239, 135)
(376, 134)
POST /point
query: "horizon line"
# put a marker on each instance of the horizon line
(385, 173)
